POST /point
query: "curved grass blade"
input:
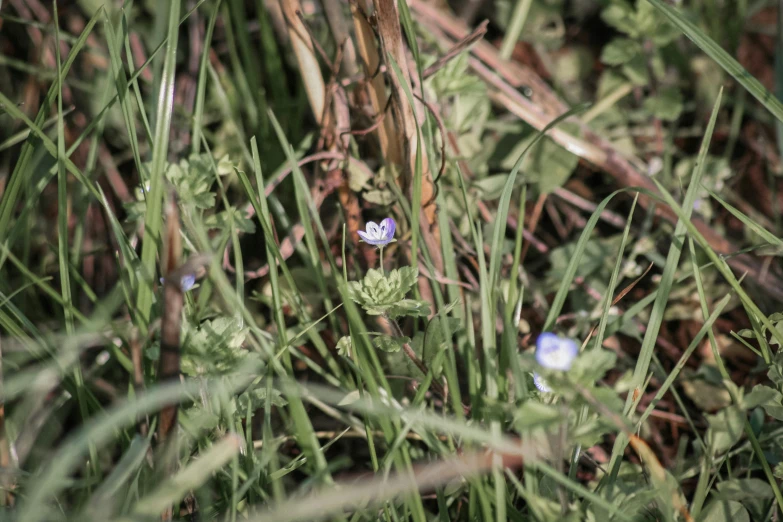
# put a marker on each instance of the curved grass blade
(505, 200)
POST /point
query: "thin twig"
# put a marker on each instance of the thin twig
(464, 44)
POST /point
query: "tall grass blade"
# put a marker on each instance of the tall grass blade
(160, 147)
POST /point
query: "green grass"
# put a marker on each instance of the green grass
(301, 398)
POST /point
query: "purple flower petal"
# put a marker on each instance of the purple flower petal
(541, 383)
(388, 226)
(373, 231)
(379, 235)
(187, 282)
(555, 353)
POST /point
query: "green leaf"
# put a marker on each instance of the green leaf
(726, 428)
(636, 70)
(382, 294)
(380, 197)
(256, 398)
(761, 396)
(215, 347)
(390, 344)
(742, 489)
(429, 344)
(620, 51)
(725, 511)
(591, 432)
(551, 166)
(231, 216)
(410, 308)
(608, 397)
(357, 176)
(776, 412)
(653, 25)
(591, 365)
(621, 15)
(667, 105)
(534, 414)
(344, 346)
(491, 187)
(775, 372)
(408, 277)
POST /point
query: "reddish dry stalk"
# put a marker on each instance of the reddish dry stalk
(171, 324)
(366, 46)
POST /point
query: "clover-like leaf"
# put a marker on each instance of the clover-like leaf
(214, 347)
(381, 294)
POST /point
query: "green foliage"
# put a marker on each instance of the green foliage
(381, 294)
(639, 20)
(592, 365)
(193, 180)
(430, 344)
(389, 344)
(726, 428)
(620, 51)
(725, 511)
(268, 417)
(215, 347)
(345, 346)
(667, 105)
(776, 321)
(638, 54)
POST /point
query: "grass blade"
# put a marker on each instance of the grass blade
(152, 218)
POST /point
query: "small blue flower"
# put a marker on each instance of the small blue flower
(381, 234)
(555, 353)
(541, 383)
(187, 282)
